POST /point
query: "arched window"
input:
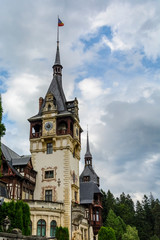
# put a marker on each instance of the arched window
(53, 226)
(49, 107)
(41, 228)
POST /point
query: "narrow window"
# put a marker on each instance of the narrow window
(48, 195)
(97, 216)
(49, 107)
(41, 228)
(49, 174)
(75, 196)
(53, 228)
(49, 148)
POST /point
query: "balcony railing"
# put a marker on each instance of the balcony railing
(36, 135)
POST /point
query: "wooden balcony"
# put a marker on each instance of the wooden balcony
(36, 135)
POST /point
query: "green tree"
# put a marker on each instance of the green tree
(108, 202)
(156, 214)
(2, 131)
(62, 233)
(131, 234)
(154, 238)
(106, 233)
(19, 214)
(116, 223)
(125, 208)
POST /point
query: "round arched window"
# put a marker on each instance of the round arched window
(41, 228)
(53, 228)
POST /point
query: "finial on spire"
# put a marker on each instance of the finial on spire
(88, 155)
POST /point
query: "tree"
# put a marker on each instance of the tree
(18, 213)
(2, 130)
(108, 202)
(116, 223)
(125, 208)
(154, 238)
(131, 234)
(106, 233)
(156, 214)
(62, 233)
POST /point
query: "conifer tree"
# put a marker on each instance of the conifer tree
(2, 130)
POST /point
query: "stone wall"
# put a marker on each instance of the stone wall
(12, 236)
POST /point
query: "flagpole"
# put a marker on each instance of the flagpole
(57, 32)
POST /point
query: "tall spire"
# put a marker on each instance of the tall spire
(88, 155)
(57, 67)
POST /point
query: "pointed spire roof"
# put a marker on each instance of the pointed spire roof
(57, 59)
(88, 154)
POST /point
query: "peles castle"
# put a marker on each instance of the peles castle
(48, 179)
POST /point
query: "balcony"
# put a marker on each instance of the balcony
(36, 135)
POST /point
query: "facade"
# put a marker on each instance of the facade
(49, 179)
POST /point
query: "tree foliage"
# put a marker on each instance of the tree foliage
(2, 130)
(131, 234)
(106, 233)
(62, 233)
(116, 223)
(19, 215)
(144, 215)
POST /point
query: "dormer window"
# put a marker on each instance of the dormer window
(86, 178)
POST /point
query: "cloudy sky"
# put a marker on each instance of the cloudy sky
(110, 52)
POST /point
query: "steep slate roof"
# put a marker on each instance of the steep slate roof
(8, 153)
(88, 154)
(87, 191)
(88, 171)
(57, 90)
(13, 157)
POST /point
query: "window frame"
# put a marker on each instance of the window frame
(48, 195)
(53, 225)
(41, 228)
(49, 148)
(50, 176)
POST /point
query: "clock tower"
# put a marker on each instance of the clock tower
(55, 144)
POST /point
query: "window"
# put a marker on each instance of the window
(74, 178)
(49, 148)
(97, 216)
(86, 178)
(49, 174)
(75, 196)
(53, 226)
(49, 107)
(48, 195)
(41, 228)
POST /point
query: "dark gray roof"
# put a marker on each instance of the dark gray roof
(8, 153)
(87, 191)
(21, 161)
(88, 171)
(57, 90)
(88, 153)
(13, 157)
(57, 59)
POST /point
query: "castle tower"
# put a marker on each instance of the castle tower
(55, 146)
(90, 195)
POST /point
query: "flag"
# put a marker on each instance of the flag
(60, 23)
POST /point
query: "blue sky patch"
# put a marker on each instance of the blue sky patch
(95, 38)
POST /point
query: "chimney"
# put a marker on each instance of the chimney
(40, 102)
